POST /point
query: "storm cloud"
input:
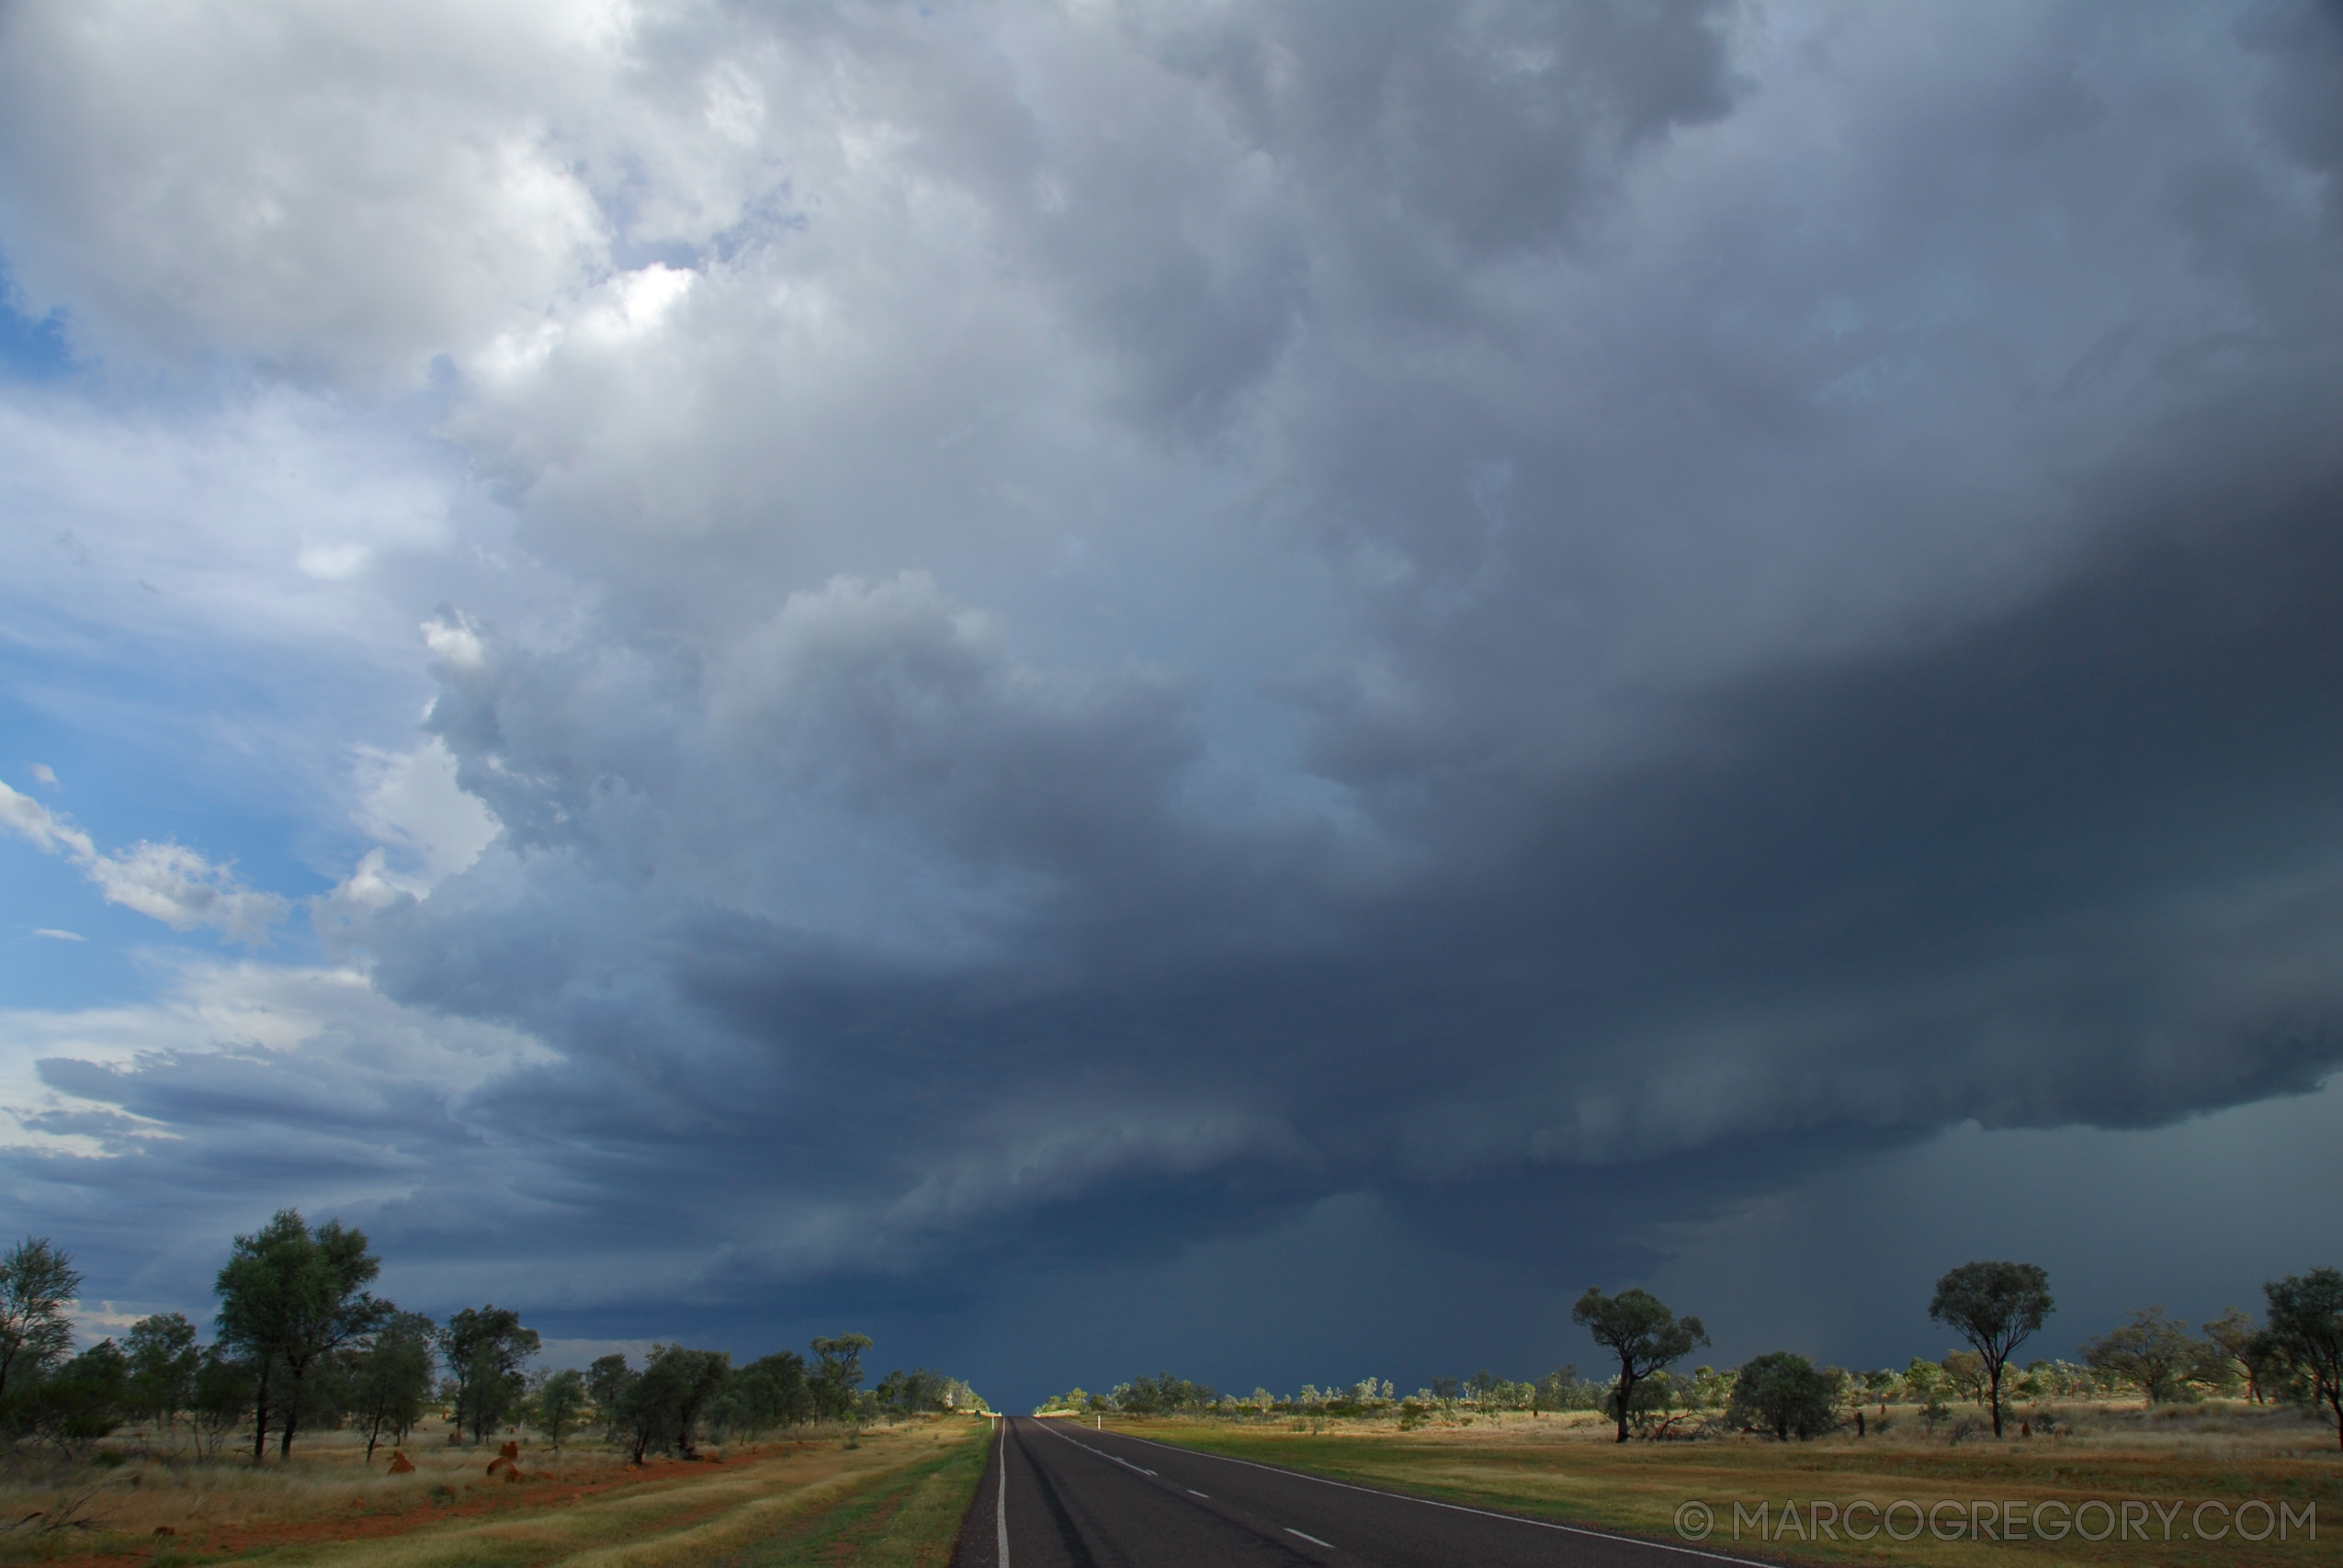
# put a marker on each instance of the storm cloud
(1059, 639)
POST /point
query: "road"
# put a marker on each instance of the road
(1060, 1495)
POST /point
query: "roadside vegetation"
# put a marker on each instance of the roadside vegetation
(2288, 1365)
(322, 1421)
(2153, 1412)
(1567, 1467)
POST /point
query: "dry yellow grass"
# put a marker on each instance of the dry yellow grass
(585, 1507)
(1567, 1468)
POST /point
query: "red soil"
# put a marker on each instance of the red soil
(394, 1519)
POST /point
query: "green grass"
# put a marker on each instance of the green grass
(909, 1519)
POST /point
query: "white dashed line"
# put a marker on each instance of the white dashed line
(1101, 1454)
(1311, 1538)
(1001, 1504)
(1194, 1492)
(1430, 1503)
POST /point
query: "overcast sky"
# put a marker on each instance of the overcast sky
(1244, 688)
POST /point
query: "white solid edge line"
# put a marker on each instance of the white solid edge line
(1452, 1507)
(1000, 1501)
(1311, 1538)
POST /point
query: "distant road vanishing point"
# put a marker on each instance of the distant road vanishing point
(1055, 1497)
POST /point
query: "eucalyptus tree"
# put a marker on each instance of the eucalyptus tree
(77, 1401)
(486, 1348)
(659, 1406)
(2306, 1332)
(770, 1391)
(697, 1379)
(1994, 1307)
(557, 1402)
(223, 1398)
(164, 1358)
(37, 1284)
(1638, 1327)
(2154, 1351)
(388, 1381)
(290, 1298)
(2228, 1339)
(837, 1375)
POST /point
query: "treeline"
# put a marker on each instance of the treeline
(1169, 1395)
(301, 1344)
(2292, 1354)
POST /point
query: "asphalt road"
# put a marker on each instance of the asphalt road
(1060, 1496)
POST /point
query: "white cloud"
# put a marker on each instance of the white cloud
(309, 187)
(454, 638)
(295, 1021)
(278, 547)
(177, 885)
(413, 802)
(166, 882)
(54, 935)
(29, 819)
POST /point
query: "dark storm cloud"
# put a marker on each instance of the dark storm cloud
(2079, 863)
(1167, 631)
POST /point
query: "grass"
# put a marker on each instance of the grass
(1565, 1469)
(911, 1521)
(895, 1498)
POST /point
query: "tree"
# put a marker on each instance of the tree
(558, 1403)
(2306, 1331)
(1163, 1394)
(1711, 1388)
(79, 1402)
(1076, 1398)
(770, 1391)
(162, 1363)
(837, 1376)
(1994, 1306)
(916, 1392)
(605, 1380)
(389, 1380)
(659, 1405)
(2230, 1337)
(630, 1419)
(1782, 1394)
(2153, 1351)
(486, 1348)
(697, 1377)
(288, 1299)
(1965, 1370)
(1660, 1401)
(37, 1283)
(2265, 1366)
(1639, 1329)
(224, 1396)
(1563, 1389)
